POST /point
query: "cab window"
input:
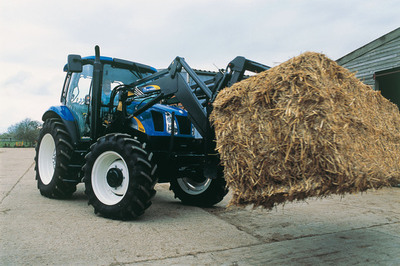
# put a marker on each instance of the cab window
(79, 91)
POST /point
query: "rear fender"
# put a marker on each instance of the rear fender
(67, 118)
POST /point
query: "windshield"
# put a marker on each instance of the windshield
(113, 77)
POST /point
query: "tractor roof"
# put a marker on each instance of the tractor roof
(118, 63)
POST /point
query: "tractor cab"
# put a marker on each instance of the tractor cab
(78, 89)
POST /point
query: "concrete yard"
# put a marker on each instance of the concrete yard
(359, 229)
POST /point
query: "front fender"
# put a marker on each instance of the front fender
(62, 112)
(67, 118)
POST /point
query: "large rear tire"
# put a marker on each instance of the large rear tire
(53, 155)
(199, 191)
(119, 177)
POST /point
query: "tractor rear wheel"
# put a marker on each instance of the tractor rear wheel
(198, 190)
(53, 155)
(119, 179)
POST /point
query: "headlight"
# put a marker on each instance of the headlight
(168, 120)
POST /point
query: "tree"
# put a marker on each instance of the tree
(26, 130)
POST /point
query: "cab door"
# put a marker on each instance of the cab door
(78, 98)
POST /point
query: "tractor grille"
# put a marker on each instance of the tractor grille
(158, 120)
(185, 126)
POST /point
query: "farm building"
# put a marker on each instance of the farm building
(378, 64)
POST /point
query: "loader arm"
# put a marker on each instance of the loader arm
(172, 83)
(235, 72)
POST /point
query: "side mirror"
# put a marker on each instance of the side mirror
(74, 63)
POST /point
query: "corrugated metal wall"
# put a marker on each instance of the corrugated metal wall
(383, 57)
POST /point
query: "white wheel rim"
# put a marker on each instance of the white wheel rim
(47, 158)
(193, 187)
(104, 192)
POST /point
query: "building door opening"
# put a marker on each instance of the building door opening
(388, 82)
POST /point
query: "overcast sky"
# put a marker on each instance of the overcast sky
(37, 36)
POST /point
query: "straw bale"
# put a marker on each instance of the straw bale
(307, 127)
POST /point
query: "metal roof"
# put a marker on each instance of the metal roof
(369, 46)
(378, 55)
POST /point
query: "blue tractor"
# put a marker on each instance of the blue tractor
(124, 126)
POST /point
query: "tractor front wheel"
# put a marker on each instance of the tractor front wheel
(118, 177)
(199, 191)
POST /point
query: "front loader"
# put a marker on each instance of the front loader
(124, 126)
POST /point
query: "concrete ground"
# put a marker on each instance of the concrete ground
(362, 229)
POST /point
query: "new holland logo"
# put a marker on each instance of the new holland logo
(150, 88)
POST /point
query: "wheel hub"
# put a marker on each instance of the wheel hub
(115, 177)
(47, 158)
(192, 187)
